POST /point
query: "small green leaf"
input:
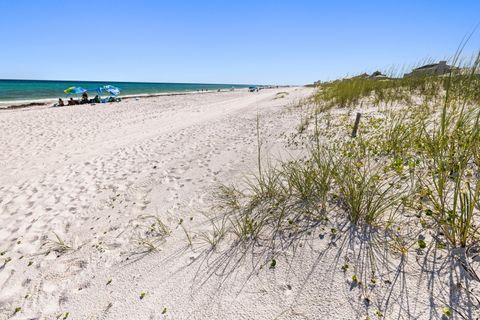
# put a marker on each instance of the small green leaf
(273, 264)
(441, 246)
(17, 310)
(142, 295)
(446, 312)
(422, 244)
(164, 310)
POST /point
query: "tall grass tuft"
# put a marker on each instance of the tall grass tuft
(367, 194)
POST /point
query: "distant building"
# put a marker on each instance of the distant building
(360, 76)
(431, 69)
(378, 76)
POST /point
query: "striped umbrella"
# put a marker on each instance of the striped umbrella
(114, 91)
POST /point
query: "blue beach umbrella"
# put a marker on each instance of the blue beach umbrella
(114, 91)
(75, 90)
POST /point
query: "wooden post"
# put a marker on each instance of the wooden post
(355, 126)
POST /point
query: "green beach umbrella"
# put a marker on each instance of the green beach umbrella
(75, 90)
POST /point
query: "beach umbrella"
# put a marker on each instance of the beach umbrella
(114, 91)
(75, 90)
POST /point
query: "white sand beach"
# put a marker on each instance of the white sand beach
(87, 173)
(104, 211)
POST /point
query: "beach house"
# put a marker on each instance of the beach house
(431, 69)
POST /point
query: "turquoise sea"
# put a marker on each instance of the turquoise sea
(13, 90)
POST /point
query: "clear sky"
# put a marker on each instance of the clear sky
(213, 41)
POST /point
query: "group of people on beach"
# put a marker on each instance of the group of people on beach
(85, 100)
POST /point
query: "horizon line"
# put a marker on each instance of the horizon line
(76, 80)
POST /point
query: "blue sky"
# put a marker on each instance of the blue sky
(286, 42)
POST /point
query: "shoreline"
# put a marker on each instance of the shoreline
(18, 104)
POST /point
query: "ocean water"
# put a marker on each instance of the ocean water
(14, 90)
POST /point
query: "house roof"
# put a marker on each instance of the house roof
(442, 63)
(427, 66)
(363, 75)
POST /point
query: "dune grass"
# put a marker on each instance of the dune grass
(151, 232)
(430, 144)
(413, 170)
(461, 85)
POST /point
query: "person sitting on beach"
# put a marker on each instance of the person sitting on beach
(95, 100)
(84, 98)
(60, 103)
(72, 102)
